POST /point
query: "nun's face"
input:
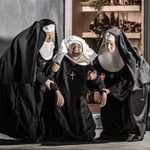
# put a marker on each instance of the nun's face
(49, 36)
(110, 46)
(75, 50)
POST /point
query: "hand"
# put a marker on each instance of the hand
(91, 75)
(107, 91)
(103, 100)
(60, 99)
(102, 76)
(55, 67)
(47, 84)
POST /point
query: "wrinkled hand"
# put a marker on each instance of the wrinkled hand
(60, 99)
(103, 99)
(47, 84)
(107, 91)
(55, 67)
(91, 75)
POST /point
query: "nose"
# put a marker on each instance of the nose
(49, 36)
(108, 45)
(75, 48)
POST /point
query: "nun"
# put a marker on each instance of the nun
(127, 77)
(23, 81)
(73, 121)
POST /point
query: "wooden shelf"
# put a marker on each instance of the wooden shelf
(133, 35)
(89, 35)
(114, 8)
(130, 35)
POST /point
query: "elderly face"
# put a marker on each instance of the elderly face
(110, 46)
(50, 36)
(75, 50)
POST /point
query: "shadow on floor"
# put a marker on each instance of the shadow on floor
(53, 143)
(50, 143)
(12, 142)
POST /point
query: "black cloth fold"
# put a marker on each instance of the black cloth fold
(19, 61)
(124, 116)
(22, 78)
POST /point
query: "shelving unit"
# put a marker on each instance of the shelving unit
(115, 8)
(84, 14)
(130, 35)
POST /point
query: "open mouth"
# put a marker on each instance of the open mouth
(76, 54)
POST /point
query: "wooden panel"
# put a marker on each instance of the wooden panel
(129, 35)
(113, 8)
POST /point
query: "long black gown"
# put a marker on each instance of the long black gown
(22, 107)
(22, 78)
(125, 115)
(73, 121)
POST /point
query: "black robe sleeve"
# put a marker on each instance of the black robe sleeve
(96, 84)
(40, 70)
(40, 76)
(50, 74)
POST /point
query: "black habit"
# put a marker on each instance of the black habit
(22, 78)
(125, 114)
(72, 121)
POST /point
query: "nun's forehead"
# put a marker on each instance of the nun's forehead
(110, 37)
(75, 42)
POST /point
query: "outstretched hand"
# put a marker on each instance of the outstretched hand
(103, 99)
(60, 99)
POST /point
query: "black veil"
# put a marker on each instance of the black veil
(17, 64)
(139, 70)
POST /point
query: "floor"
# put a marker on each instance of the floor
(7, 143)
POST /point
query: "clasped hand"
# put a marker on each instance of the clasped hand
(47, 84)
(55, 67)
(91, 75)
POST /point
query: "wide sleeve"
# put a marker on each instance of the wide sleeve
(50, 74)
(40, 76)
(46, 73)
(96, 84)
(40, 72)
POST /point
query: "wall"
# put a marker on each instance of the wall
(16, 15)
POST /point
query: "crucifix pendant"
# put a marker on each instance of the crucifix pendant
(72, 75)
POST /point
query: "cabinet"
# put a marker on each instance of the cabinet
(83, 14)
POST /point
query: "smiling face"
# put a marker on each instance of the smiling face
(75, 50)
